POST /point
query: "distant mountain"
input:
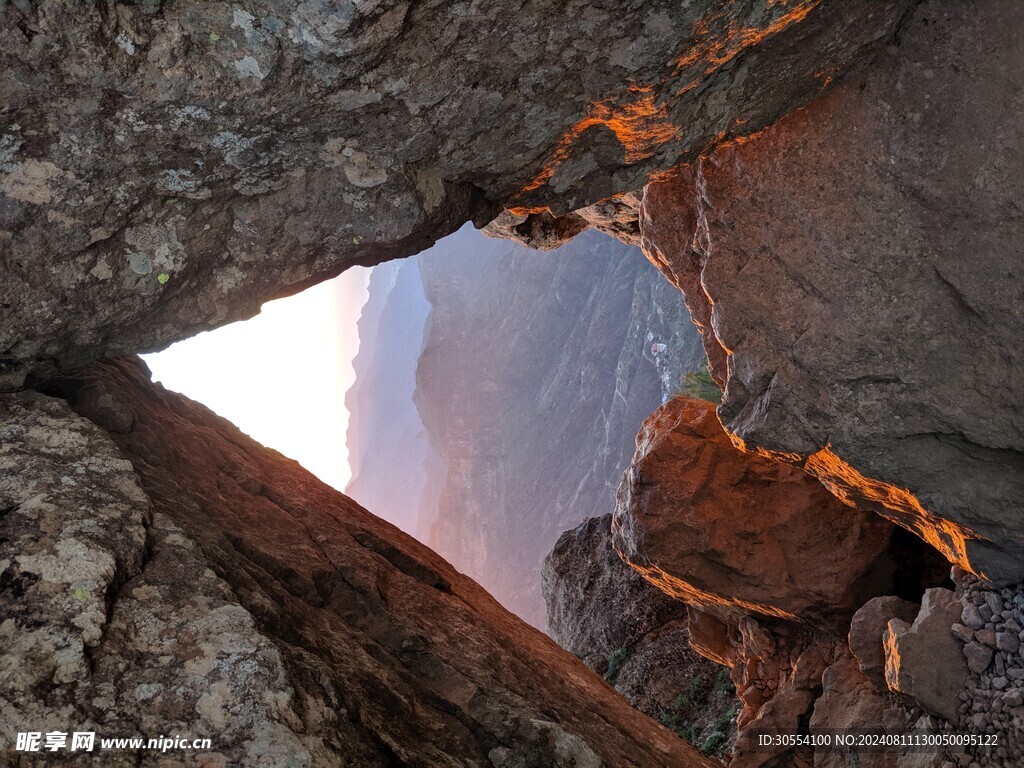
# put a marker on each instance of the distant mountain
(386, 442)
(536, 372)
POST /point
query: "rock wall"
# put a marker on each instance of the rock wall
(633, 634)
(856, 273)
(166, 166)
(536, 371)
(214, 586)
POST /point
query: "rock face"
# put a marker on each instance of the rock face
(923, 659)
(715, 526)
(326, 634)
(387, 446)
(167, 166)
(605, 613)
(856, 273)
(537, 369)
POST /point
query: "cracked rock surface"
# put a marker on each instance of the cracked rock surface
(167, 166)
(278, 617)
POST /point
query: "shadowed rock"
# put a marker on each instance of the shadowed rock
(635, 635)
(167, 166)
(868, 628)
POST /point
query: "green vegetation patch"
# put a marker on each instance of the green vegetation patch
(700, 386)
(615, 663)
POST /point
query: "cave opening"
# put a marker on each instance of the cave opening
(482, 396)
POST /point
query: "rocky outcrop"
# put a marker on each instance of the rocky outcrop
(714, 526)
(535, 373)
(618, 217)
(387, 447)
(301, 624)
(167, 166)
(798, 663)
(855, 270)
(604, 612)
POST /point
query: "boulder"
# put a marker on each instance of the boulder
(867, 628)
(166, 167)
(856, 270)
(849, 701)
(180, 578)
(715, 526)
(924, 660)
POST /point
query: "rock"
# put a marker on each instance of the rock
(924, 660)
(986, 637)
(670, 228)
(179, 164)
(113, 621)
(709, 636)
(618, 217)
(867, 628)
(605, 613)
(690, 496)
(994, 603)
(325, 631)
(1013, 697)
(595, 602)
(971, 617)
(966, 634)
(849, 701)
(788, 709)
(842, 306)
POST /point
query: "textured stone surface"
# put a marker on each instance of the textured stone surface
(715, 526)
(923, 659)
(604, 612)
(868, 628)
(862, 258)
(165, 166)
(112, 622)
(850, 701)
(393, 656)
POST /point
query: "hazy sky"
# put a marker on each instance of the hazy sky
(281, 377)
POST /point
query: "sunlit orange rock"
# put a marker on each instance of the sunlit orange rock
(714, 526)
